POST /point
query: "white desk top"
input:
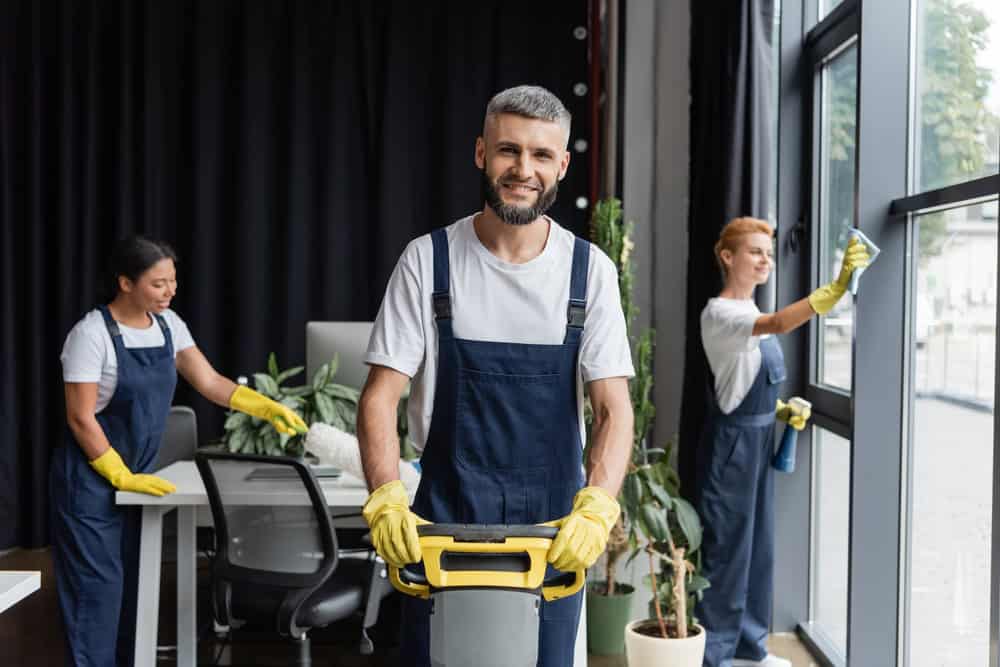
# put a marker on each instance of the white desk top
(17, 585)
(344, 491)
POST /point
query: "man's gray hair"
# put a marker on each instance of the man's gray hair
(530, 102)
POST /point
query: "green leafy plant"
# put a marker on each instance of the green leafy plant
(654, 518)
(667, 529)
(321, 400)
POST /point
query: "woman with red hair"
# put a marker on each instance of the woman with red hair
(734, 480)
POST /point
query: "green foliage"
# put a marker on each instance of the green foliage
(653, 512)
(320, 400)
(660, 522)
(952, 95)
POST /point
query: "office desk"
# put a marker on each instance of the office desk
(344, 494)
(15, 585)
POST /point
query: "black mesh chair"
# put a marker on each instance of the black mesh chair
(277, 565)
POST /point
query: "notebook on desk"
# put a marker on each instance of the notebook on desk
(286, 472)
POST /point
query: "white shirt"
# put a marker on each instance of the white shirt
(493, 300)
(88, 354)
(733, 351)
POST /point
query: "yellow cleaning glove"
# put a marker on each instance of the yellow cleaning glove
(826, 297)
(583, 533)
(797, 420)
(393, 525)
(283, 418)
(110, 466)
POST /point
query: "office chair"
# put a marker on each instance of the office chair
(277, 566)
(179, 442)
(180, 437)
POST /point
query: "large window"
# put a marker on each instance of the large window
(895, 132)
(831, 501)
(953, 342)
(838, 110)
(957, 91)
(952, 304)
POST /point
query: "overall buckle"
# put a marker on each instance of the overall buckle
(576, 313)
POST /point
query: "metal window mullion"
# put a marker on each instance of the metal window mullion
(995, 522)
(835, 28)
(835, 426)
(815, 210)
(906, 467)
(820, 645)
(792, 522)
(830, 403)
(878, 392)
(959, 194)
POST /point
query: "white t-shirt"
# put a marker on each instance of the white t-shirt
(733, 351)
(88, 354)
(493, 300)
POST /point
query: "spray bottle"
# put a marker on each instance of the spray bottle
(784, 459)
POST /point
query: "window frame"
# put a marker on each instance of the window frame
(875, 416)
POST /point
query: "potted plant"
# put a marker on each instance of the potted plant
(609, 601)
(321, 400)
(665, 528)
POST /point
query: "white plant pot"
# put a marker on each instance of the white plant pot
(646, 651)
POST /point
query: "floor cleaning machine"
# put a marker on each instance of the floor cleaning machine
(485, 584)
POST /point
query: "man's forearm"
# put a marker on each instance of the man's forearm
(611, 448)
(378, 442)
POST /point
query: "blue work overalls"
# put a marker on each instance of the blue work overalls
(736, 504)
(95, 542)
(503, 446)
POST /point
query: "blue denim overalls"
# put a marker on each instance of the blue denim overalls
(736, 503)
(95, 542)
(503, 445)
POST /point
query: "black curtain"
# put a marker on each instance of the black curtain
(732, 111)
(288, 151)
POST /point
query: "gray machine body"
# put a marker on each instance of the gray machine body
(494, 628)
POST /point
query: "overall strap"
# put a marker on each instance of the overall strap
(163, 324)
(109, 322)
(577, 309)
(441, 296)
(168, 340)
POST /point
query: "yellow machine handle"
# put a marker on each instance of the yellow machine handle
(414, 589)
(559, 591)
(485, 556)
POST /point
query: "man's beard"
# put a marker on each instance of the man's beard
(516, 215)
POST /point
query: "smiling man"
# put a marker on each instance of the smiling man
(501, 319)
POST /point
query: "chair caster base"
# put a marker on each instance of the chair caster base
(366, 647)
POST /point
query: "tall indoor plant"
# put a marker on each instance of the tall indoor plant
(609, 601)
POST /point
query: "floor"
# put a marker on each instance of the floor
(31, 632)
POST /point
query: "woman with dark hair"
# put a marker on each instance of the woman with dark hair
(120, 365)
(734, 487)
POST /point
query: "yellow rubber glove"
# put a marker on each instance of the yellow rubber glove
(283, 418)
(784, 412)
(110, 466)
(393, 525)
(583, 533)
(826, 297)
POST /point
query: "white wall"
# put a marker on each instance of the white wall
(657, 99)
